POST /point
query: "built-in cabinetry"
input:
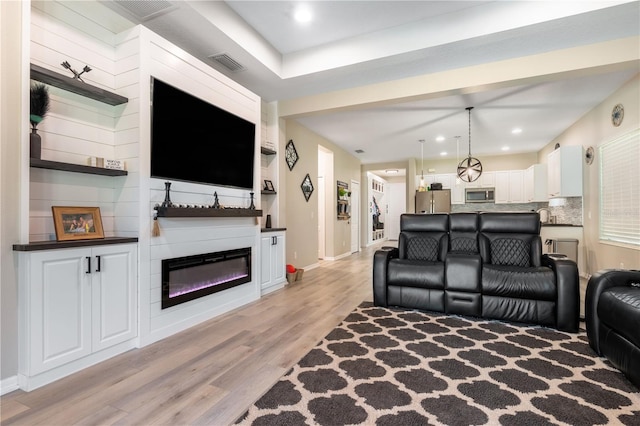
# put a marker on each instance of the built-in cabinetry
(269, 183)
(509, 186)
(77, 305)
(565, 172)
(535, 184)
(377, 209)
(272, 263)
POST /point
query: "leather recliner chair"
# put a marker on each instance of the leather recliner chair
(518, 282)
(612, 319)
(412, 275)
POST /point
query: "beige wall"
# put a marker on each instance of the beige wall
(593, 129)
(302, 216)
(10, 160)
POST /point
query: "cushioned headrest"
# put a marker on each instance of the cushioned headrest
(438, 222)
(515, 223)
(463, 222)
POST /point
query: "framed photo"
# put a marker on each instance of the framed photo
(268, 185)
(77, 223)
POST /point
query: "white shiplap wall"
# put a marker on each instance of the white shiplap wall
(78, 128)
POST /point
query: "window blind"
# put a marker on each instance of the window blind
(620, 189)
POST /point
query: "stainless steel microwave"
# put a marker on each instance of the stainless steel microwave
(479, 195)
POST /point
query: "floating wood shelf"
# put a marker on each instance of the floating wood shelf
(54, 245)
(206, 212)
(267, 151)
(76, 168)
(76, 86)
(267, 192)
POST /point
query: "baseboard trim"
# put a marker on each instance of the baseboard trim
(9, 385)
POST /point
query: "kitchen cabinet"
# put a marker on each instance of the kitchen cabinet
(535, 183)
(73, 304)
(509, 186)
(272, 261)
(486, 180)
(564, 173)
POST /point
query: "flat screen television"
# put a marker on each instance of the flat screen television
(195, 141)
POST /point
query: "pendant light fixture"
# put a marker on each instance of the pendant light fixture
(422, 188)
(470, 168)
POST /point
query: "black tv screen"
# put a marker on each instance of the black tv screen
(195, 141)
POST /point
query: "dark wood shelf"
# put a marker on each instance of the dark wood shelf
(55, 245)
(76, 168)
(267, 151)
(267, 192)
(76, 86)
(206, 212)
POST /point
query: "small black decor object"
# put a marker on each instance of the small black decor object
(167, 199)
(76, 75)
(307, 187)
(252, 206)
(216, 203)
(39, 106)
(268, 222)
(291, 154)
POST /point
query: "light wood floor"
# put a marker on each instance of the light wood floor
(211, 373)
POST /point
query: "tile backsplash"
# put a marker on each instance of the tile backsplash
(566, 210)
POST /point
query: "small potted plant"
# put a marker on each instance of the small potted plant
(39, 106)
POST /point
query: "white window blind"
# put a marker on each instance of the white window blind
(620, 189)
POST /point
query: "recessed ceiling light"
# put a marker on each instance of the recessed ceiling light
(516, 130)
(439, 138)
(391, 171)
(505, 148)
(303, 14)
(443, 153)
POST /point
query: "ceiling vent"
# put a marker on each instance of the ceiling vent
(360, 151)
(228, 62)
(146, 9)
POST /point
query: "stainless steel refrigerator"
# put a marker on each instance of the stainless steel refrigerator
(433, 201)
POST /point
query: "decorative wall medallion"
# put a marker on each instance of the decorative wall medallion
(307, 187)
(617, 115)
(588, 156)
(291, 154)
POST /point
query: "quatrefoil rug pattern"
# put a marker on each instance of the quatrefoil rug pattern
(400, 367)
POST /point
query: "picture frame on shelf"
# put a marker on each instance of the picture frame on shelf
(268, 185)
(77, 223)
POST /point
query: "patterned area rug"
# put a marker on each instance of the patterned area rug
(400, 367)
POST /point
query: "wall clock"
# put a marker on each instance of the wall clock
(617, 115)
(291, 155)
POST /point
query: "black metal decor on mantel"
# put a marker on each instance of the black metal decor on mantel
(167, 199)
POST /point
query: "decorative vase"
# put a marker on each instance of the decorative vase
(35, 143)
(268, 224)
(167, 199)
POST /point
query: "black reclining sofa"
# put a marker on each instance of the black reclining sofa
(487, 265)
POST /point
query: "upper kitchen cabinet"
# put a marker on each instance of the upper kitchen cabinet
(535, 183)
(564, 173)
(509, 186)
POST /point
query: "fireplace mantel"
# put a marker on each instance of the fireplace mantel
(206, 212)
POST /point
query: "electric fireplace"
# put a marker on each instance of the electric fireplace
(190, 277)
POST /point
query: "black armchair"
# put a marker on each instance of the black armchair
(612, 318)
(412, 275)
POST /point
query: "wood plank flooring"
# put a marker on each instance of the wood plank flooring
(209, 374)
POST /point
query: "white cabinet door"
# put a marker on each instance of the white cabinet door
(535, 183)
(58, 309)
(272, 258)
(278, 269)
(114, 307)
(509, 186)
(565, 172)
